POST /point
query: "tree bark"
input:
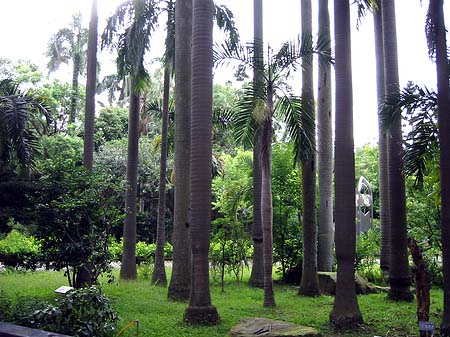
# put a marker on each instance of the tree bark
(382, 145)
(399, 279)
(345, 313)
(128, 269)
(180, 281)
(159, 271)
(200, 310)
(257, 274)
(309, 285)
(325, 257)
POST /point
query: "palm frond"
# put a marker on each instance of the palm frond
(244, 123)
(222, 118)
(363, 8)
(225, 21)
(300, 125)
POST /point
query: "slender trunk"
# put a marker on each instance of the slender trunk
(74, 97)
(382, 145)
(309, 285)
(345, 311)
(266, 201)
(159, 272)
(84, 273)
(442, 70)
(399, 278)
(180, 281)
(128, 270)
(325, 255)
(257, 275)
(200, 310)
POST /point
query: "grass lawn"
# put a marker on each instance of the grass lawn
(159, 317)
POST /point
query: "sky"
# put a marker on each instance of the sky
(27, 25)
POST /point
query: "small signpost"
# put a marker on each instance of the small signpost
(426, 328)
(63, 290)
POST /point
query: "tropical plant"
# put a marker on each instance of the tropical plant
(345, 311)
(69, 44)
(137, 19)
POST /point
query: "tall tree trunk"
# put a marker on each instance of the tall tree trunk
(200, 310)
(180, 280)
(325, 257)
(74, 94)
(159, 272)
(128, 269)
(257, 274)
(399, 278)
(437, 17)
(382, 145)
(345, 311)
(84, 274)
(266, 200)
(309, 284)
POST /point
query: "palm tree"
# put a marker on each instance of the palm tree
(200, 310)
(69, 44)
(382, 143)
(179, 287)
(436, 36)
(23, 119)
(325, 257)
(257, 274)
(399, 278)
(159, 272)
(256, 110)
(345, 311)
(309, 284)
(133, 42)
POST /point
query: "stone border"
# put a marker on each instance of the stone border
(12, 330)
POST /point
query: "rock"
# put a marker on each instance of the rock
(327, 284)
(259, 326)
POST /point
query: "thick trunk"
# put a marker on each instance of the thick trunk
(159, 272)
(444, 142)
(128, 269)
(399, 278)
(74, 95)
(180, 280)
(382, 146)
(345, 311)
(257, 274)
(266, 201)
(200, 310)
(309, 284)
(325, 258)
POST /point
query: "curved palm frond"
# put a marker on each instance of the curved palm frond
(244, 122)
(225, 21)
(363, 8)
(222, 118)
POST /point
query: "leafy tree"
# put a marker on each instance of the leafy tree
(69, 45)
(111, 124)
(22, 71)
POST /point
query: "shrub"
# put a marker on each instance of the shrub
(19, 249)
(81, 313)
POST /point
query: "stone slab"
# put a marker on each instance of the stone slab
(259, 326)
(12, 330)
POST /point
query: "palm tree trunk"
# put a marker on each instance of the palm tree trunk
(74, 97)
(325, 257)
(200, 310)
(399, 278)
(128, 269)
(84, 274)
(382, 145)
(437, 17)
(266, 200)
(345, 311)
(257, 274)
(180, 281)
(159, 272)
(309, 285)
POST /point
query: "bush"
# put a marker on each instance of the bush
(145, 252)
(81, 313)
(17, 249)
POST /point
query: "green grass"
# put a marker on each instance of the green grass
(159, 317)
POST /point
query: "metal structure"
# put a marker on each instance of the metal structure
(364, 206)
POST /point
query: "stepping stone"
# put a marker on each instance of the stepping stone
(259, 326)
